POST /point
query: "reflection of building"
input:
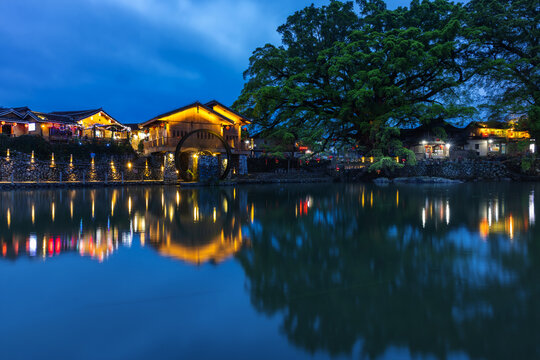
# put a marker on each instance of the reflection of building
(496, 220)
(98, 245)
(192, 226)
(197, 229)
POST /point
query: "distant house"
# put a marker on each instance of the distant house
(435, 140)
(96, 124)
(493, 138)
(61, 125)
(163, 132)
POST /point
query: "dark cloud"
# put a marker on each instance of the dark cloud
(136, 58)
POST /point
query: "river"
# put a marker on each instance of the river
(276, 271)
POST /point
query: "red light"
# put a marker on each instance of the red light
(51, 246)
(4, 249)
(58, 245)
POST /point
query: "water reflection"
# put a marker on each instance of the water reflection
(412, 271)
(347, 270)
(190, 225)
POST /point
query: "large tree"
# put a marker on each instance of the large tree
(506, 35)
(339, 76)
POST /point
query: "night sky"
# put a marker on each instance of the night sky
(134, 58)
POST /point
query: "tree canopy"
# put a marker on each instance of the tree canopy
(349, 76)
(506, 37)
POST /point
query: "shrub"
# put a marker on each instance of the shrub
(385, 164)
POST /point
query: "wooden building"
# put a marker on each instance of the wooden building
(61, 125)
(163, 132)
(435, 141)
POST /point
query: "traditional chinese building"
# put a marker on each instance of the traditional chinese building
(163, 132)
(434, 141)
(61, 125)
(494, 138)
(96, 124)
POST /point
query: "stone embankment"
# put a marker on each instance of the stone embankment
(416, 180)
(467, 170)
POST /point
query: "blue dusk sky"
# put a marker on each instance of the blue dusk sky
(134, 58)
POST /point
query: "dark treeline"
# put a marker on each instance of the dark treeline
(352, 75)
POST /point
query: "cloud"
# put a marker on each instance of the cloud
(232, 28)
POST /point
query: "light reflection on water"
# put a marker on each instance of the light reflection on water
(346, 270)
(191, 228)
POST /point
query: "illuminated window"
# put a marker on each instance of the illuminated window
(32, 127)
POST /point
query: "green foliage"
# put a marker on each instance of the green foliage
(408, 155)
(342, 77)
(526, 164)
(506, 51)
(385, 164)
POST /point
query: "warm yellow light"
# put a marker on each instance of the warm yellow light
(129, 165)
(33, 214)
(52, 211)
(8, 218)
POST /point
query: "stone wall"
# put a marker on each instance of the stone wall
(208, 168)
(20, 167)
(467, 169)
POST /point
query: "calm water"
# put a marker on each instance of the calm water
(316, 271)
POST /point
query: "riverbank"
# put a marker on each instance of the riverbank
(98, 184)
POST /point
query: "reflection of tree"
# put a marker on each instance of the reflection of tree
(343, 274)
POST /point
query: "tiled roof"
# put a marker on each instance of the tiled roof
(213, 103)
(197, 103)
(78, 114)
